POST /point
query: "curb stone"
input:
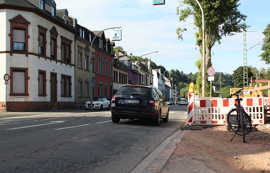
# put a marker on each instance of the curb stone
(155, 161)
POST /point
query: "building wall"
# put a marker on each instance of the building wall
(82, 74)
(34, 62)
(102, 78)
(3, 68)
(117, 84)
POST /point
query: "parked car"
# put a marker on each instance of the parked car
(169, 103)
(98, 104)
(182, 101)
(139, 102)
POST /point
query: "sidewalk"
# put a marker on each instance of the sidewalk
(210, 150)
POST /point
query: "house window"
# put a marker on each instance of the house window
(106, 67)
(19, 35)
(105, 91)
(19, 82)
(100, 64)
(86, 63)
(100, 90)
(53, 11)
(42, 4)
(106, 47)
(66, 50)
(79, 60)
(87, 87)
(80, 88)
(41, 83)
(90, 37)
(53, 43)
(115, 76)
(83, 34)
(100, 44)
(19, 39)
(42, 40)
(53, 48)
(66, 86)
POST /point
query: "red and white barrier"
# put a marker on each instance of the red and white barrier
(190, 111)
(213, 111)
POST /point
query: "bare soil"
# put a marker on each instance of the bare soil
(210, 150)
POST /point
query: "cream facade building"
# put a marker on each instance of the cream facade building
(36, 56)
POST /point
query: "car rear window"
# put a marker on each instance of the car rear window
(134, 91)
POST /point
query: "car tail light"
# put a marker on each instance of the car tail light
(113, 100)
(152, 102)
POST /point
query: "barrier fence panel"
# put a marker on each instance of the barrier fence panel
(213, 111)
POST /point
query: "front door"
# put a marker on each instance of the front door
(53, 88)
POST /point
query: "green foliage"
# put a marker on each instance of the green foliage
(222, 18)
(237, 76)
(119, 48)
(222, 80)
(225, 91)
(266, 45)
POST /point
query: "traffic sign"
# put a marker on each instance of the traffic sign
(211, 71)
(158, 2)
(211, 78)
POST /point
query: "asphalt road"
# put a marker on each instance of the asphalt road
(78, 142)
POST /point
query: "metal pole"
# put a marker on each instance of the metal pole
(203, 44)
(211, 89)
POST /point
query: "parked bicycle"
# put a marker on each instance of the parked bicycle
(238, 120)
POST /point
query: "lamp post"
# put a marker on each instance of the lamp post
(91, 49)
(203, 44)
(149, 53)
(150, 64)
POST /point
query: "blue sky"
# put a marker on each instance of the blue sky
(148, 28)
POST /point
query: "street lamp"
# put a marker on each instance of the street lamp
(203, 44)
(151, 77)
(149, 53)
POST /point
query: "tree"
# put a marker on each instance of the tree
(237, 76)
(225, 91)
(266, 45)
(222, 18)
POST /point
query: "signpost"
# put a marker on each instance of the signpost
(6, 78)
(117, 34)
(158, 2)
(211, 77)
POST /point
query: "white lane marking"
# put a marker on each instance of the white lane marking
(103, 122)
(37, 125)
(72, 127)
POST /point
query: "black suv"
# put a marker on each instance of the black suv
(139, 102)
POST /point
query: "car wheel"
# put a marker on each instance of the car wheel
(157, 121)
(101, 107)
(165, 120)
(115, 119)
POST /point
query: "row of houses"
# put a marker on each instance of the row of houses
(129, 71)
(47, 59)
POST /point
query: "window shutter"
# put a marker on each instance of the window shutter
(19, 35)
(19, 82)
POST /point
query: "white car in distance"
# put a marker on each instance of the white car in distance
(97, 104)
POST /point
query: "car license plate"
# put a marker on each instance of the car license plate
(129, 101)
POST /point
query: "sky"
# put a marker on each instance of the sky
(147, 28)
